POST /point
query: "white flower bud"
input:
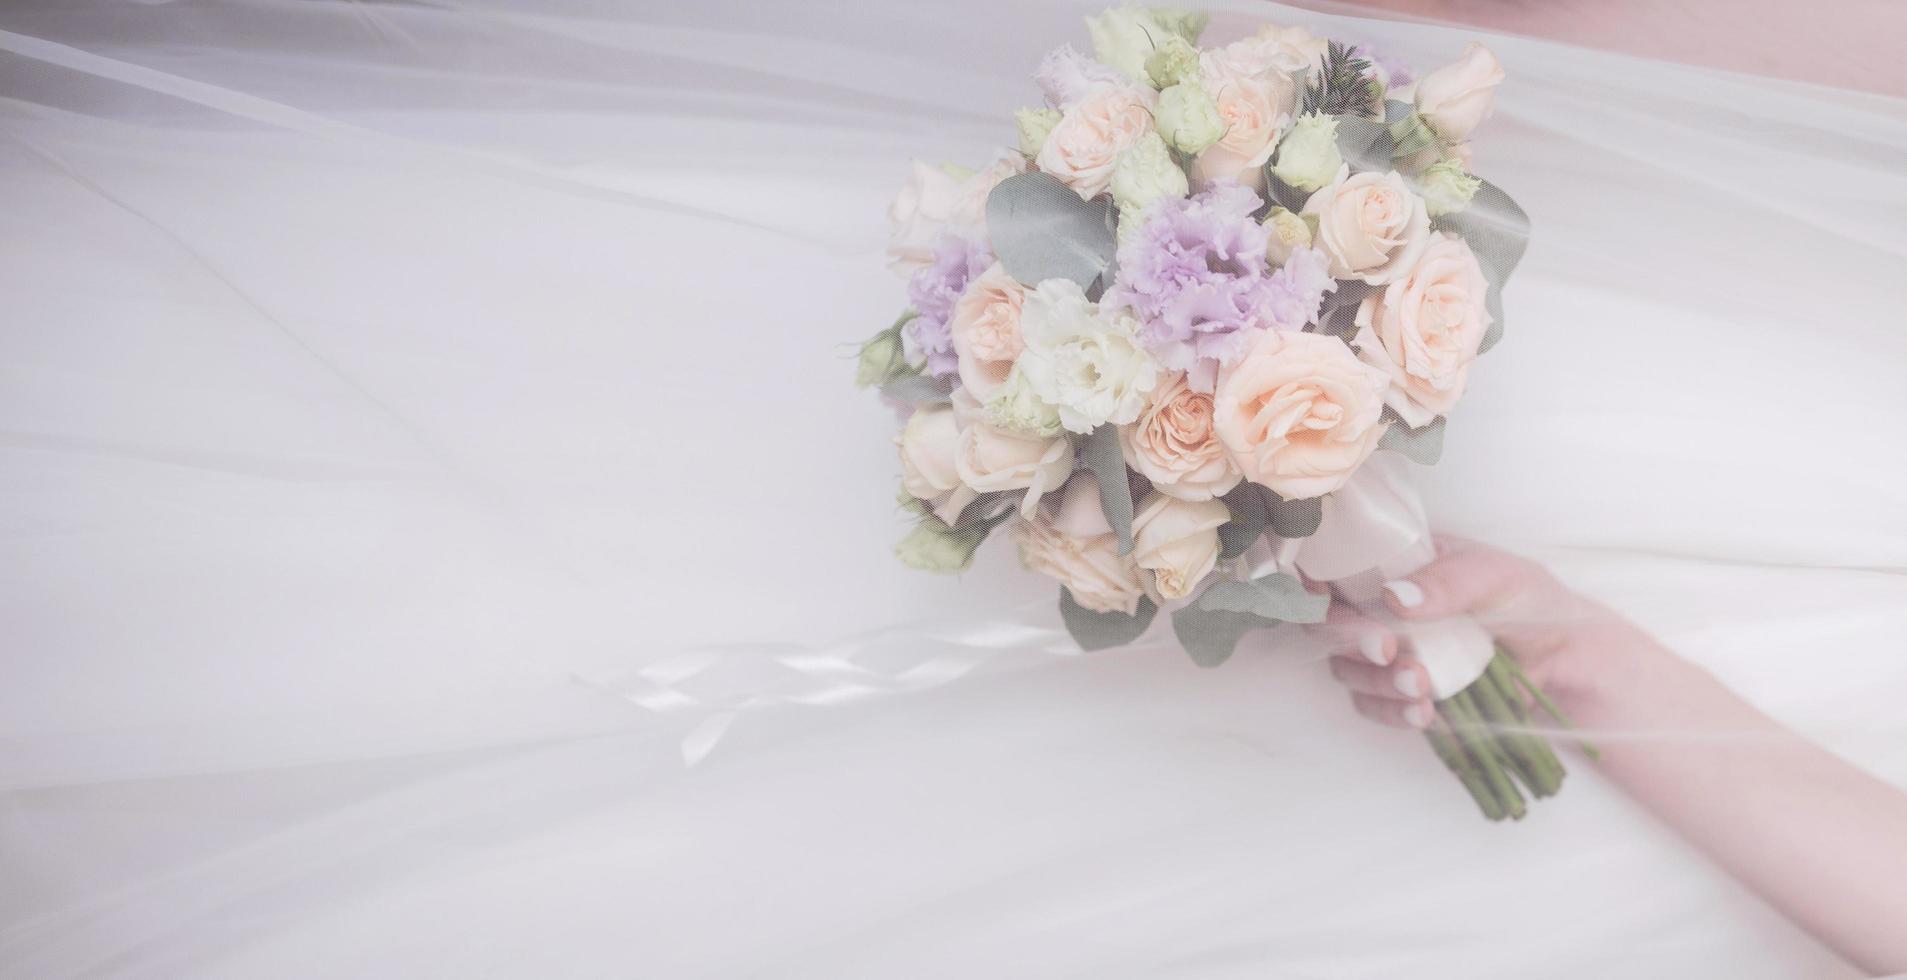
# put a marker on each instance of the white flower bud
(1308, 156)
(1446, 188)
(1188, 118)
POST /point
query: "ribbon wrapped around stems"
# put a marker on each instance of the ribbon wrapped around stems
(1374, 530)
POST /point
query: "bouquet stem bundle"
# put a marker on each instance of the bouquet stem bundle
(1482, 736)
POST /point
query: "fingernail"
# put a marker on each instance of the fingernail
(1408, 683)
(1417, 716)
(1371, 645)
(1406, 592)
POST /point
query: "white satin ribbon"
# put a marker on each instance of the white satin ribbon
(1375, 530)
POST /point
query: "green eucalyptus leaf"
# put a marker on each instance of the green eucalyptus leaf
(1276, 598)
(1097, 630)
(1294, 518)
(1209, 636)
(1422, 445)
(919, 389)
(1041, 230)
(1338, 316)
(989, 509)
(1100, 451)
(1364, 144)
(1250, 517)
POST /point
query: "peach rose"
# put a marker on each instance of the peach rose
(1077, 547)
(1173, 445)
(986, 330)
(1370, 226)
(1255, 107)
(1084, 147)
(989, 459)
(1299, 412)
(1455, 99)
(1177, 541)
(1423, 330)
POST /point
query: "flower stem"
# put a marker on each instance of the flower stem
(1535, 764)
(1451, 752)
(1523, 679)
(1461, 712)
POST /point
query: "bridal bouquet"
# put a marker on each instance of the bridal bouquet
(1179, 342)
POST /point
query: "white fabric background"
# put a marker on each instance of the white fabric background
(373, 372)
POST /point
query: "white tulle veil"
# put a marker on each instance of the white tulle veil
(401, 398)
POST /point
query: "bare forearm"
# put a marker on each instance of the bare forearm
(1821, 840)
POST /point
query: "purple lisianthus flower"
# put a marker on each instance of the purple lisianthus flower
(933, 291)
(1195, 275)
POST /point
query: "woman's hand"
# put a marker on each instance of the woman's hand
(1813, 835)
(1578, 651)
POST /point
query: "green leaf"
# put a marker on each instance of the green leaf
(919, 389)
(1338, 316)
(1364, 144)
(1099, 450)
(1250, 517)
(1342, 85)
(1409, 133)
(1498, 232)
(1097, 630)
(1210, 636)
(1295, 518)
(1041, 230)
(1275, 598)
(1423, 445)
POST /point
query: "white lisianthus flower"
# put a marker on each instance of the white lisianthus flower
(1308, 156)
(1174, 61)
(1146, 172)
(1187, 116)
(1446, 187)
(1015, 407)
(1035, 125)
(1083, 361)
(1124, 37)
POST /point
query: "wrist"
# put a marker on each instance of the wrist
(1631, 682)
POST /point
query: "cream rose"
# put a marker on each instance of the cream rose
(986, 330)
(1286, 49)
(1455, 99)
(936, 200)
(1177, 541)
(1299, 412)
(1173, 445)
(1254, 108)
(1370, 226)
(1423, 330)
(928, 444)
(1084, 147)
(1076, 546)
(991, 460)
